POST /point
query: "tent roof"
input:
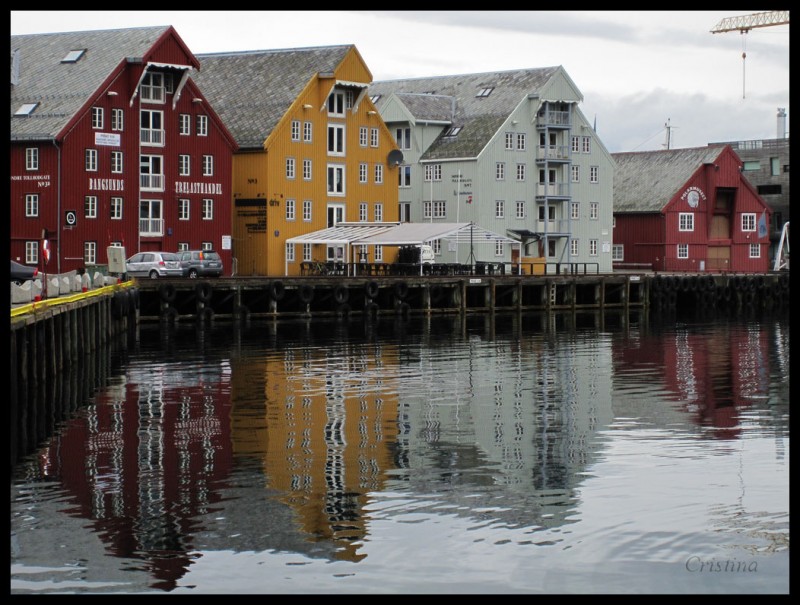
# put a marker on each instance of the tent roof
(399, 234)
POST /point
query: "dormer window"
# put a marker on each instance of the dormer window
(485, 92)
(73, 56)
(26, 109)
(152, 87)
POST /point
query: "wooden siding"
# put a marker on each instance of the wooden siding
(76, 182)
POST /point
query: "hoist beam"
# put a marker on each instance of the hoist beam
(745, 23)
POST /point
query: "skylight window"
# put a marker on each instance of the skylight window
(485, 92)
(73, 56)
(375, 98)
(452, 131)
(26, 109)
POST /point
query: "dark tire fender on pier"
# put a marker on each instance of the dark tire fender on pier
(371, 289)
(341, 294)
(167, 292)
(401, 289)
(204, 291)
(277, 290)
(306, 293)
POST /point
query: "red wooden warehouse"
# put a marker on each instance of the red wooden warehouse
(688, 210)
(112, 143)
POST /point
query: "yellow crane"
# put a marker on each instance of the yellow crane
(744, 23)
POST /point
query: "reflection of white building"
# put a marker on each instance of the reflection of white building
(520, 410)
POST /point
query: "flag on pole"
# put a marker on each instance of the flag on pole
(762, 224)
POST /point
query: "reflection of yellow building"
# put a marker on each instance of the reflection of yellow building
(326, 440)
(313, 151)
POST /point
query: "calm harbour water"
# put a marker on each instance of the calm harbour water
(501, 454)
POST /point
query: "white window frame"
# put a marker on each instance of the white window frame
(378, 253)
(500, 171)
(374, 137)
(521, 141)
(31, 205)
(575, 210)
(686, 221)
(574, 246)
(307, 132)
(208, 165)
(97, 118)
(519, 209)
(575, 171)
(682, 251)
(151, 127)
(586, 145)
(592, 247)
(748, 222)
(184, 209)
(90, 253)
(594, 174)
(151, 173)
(307, 211)
(404, 176)
(403, 136)
(755, 250)
(499, 209)
(184, 164)
(116, 162)
(378, 212)
(618, 253)
(91, 160)
(32, 252)
(306, 170)
(336, 182)
(289, 252)
(509, 141)
(307, 252)
(575, 144)
(336, 103)
(31, 158)
(378, 174)
(185, 124)
(363, 136)
(202, 125)
(290, 210)
(594, 211)
(521, 172)
(290, 168)
(151, 217)
(295, 130)
(207, 209)
(336, 139)
(433, 172)
(115, 208)
(152, 90)
(363, 212)
(499, 247)
(363, 169)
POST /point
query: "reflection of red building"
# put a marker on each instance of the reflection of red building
(151, 463)
(711, 374)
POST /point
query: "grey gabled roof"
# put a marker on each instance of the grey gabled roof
(61, 89)
(453, 98)
(645, 181)
(252, 90)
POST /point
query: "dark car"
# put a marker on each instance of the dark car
(21, 273)
(200, 263)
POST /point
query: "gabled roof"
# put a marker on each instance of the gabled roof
(456, 99)
(253, 90)
(61, 89)
(645, 181)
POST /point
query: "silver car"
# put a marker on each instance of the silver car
(154, 265)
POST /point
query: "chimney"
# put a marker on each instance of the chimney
(781, 122)
(15, 67)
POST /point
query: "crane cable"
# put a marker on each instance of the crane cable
(744, 56)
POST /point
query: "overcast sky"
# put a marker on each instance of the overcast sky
(637, 70)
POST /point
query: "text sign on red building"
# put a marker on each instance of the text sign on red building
(106, 140)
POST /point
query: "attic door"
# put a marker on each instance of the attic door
(723, 212)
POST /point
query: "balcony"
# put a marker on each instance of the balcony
(553, 153)
(553, 119)
(151, 227)
(151, 136)
(552, 190)
(151, 182)
(552, 227)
